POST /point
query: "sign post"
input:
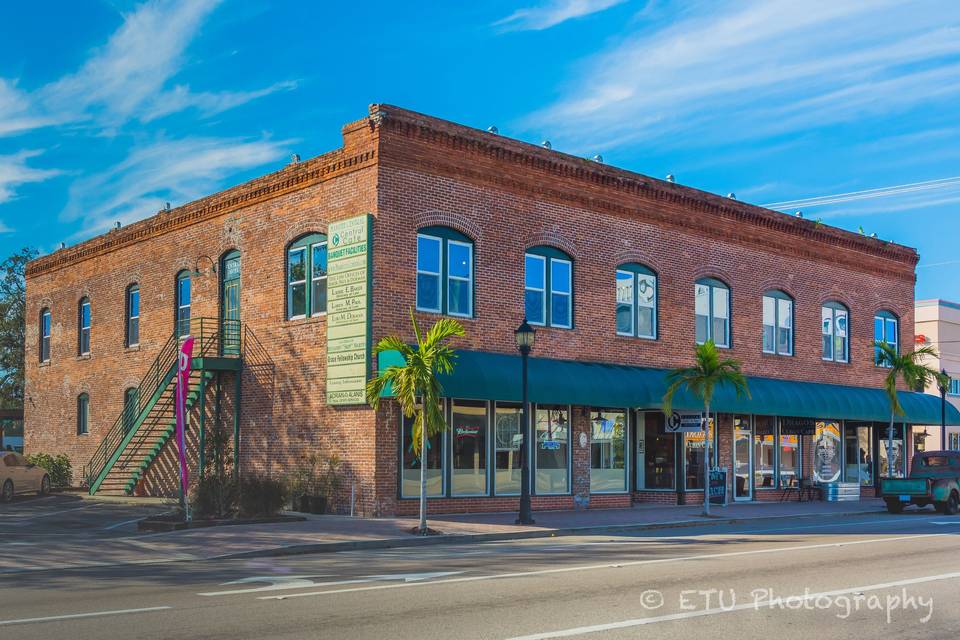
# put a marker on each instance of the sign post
(184, 362)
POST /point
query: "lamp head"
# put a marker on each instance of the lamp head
(525, 336)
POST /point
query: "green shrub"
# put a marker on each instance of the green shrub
(57, 467)
(261, 496)
(214, 497)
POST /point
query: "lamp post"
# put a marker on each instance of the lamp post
(525, 337)
(943, 384)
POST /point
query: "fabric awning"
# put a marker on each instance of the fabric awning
(480, 375)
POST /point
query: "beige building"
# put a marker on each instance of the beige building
(937, 323)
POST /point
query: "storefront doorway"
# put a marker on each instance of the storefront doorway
(742, 458)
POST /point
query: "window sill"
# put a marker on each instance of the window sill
(132, 348)
(305, 320)
(767, 354)
(84, 356)
(630, 336)
(45, 363)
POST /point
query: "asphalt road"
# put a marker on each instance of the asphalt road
(856, 577)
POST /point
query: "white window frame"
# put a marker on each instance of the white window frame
(131, 290)
(315, 278)
(543, 291)
(777, 320)
(292, 283)
(46, 328)
(568, 294)
(895, 343)
(86, 320)
(711, 316)
(834, 311)
(181, 307)
(437, 274)
(633, 301)
(468, 279)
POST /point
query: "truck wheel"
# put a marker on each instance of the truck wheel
(894, 506)
(951, 506)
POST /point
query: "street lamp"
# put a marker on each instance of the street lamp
(525, 337)
(943, 385)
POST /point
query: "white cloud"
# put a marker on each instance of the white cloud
(735, 70)
(176, 171)
(17, 113)
(552, 13)
(180, 98)
(14, 172)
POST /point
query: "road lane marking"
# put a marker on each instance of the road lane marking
(74, 616)
(804, 597)
(19, 521)
(611, 565)
(120, 524)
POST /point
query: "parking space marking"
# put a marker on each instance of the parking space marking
(75, 616)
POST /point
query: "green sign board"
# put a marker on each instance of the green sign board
(348, 310)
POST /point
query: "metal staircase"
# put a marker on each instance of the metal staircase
(148, 422)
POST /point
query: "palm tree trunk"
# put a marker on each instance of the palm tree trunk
(890, 447)
(423, 477)
(706, 463)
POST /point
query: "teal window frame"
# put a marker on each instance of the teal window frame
(635, 271)
(83, 414)
(83, 327)
(131, 404)
(882, 321)
(713, 285)
(132, 325)
(445, 237)
(778, 298)
(314, 276)
(954, 388)
(549, 256)
(836, 311)
(181, 308)
(45, 326)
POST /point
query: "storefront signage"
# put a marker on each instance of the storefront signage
(550, 445)
(718, 486)
(798, 426)
(348, 311)
(683, 423)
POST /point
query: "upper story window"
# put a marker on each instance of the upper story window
(954, 389)
(307, 276)
(131, 406)
(83, 414)
(548, 287)
(885, 329)
(83, 322)
(835, 329)
(444, 272)
(712, 308)
(636, 301)
(777, 323)
(182, 309)
(133, 315)
(45, 335)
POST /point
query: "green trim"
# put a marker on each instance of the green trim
(445, 235)
(550, 254)
(636, 269)
(306, 243)
(712, 284)
(217, 364)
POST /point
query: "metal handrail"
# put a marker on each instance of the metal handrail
(210, 335)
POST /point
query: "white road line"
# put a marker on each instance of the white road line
(20, 521)
(74, 616)
(804, 597)
(612, 565)
(120, 524)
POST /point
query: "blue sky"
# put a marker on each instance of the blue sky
(108, 109)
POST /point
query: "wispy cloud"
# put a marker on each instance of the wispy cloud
(17, 113)
(552, 13)
(735, 70)
(175, 171)
(207, 103)
(14, 171)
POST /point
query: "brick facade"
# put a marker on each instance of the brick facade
(412, 171)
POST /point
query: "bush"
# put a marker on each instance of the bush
(57, 467)
(316, 476)
(261, 496)
(214, 497)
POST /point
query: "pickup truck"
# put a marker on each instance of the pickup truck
(934, 479)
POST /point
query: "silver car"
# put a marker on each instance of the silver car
(17, 476)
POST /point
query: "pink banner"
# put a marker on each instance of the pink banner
(184, 362)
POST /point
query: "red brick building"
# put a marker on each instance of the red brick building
(622, 274)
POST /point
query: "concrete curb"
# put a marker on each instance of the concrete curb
(471, 538)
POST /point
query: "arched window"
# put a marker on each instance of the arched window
(182, 308)
(131, 402)
(133, 315)
(83, 414)
(636, 301)
(44, 335)
(548, 287)
(777, 323)
(886, 328)
(83, 327)
(835, 328)
(444, 272)
(307, 276)
(712, 308)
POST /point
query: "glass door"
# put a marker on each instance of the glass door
(742, 458)
(231, 304)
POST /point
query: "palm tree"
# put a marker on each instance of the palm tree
(700, 380)
(417, 388)
(914, 373)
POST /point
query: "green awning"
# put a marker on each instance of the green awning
(480, 375)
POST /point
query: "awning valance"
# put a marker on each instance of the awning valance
(480, 375)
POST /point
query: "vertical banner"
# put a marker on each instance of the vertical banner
(348, 310)
(184, 362)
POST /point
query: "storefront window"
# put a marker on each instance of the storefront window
(469, 448)
(608, 460)
(410, 467)
(858, 461)
(507, 440)
(693, 450)
(552, 449)
(826, 451)
(897, 452)
(790, 471)
(764, 452)
(656, 453)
